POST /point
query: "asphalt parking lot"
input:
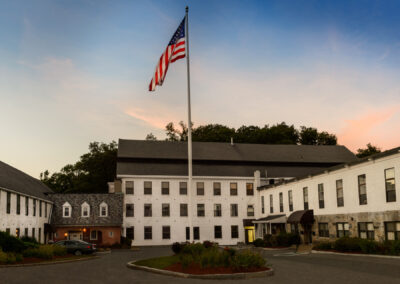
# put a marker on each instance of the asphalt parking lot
(289, 268)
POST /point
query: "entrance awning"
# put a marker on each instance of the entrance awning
(302, 216)
(273, 219)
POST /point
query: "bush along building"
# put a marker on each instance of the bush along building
(225, 204)
(25, 207)
(94, 218)
(356, 199)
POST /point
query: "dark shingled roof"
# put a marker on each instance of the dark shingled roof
(139, 157)
(212, 151)
(13, 179)
(113, 200)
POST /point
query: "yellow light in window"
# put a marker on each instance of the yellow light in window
(66, 234)
(84, 230)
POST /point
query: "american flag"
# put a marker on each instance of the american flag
(174, 51)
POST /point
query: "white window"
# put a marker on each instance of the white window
(111, 234)
(85, 209)
(103, 209)
(66, 209)
(93, 235)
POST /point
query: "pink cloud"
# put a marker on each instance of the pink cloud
(372, 127)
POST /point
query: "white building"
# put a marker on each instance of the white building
(224, 199)
(24, 205)
(358, 199)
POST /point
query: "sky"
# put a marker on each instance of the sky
(73, 72)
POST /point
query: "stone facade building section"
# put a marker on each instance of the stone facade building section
(25, 208)
(95, 218)
(359, 205)
(245, 165)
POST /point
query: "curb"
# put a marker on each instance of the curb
(50, 262)
(234, 276)
(355, 254)
(103, 252)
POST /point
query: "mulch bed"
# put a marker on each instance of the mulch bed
(196, 269)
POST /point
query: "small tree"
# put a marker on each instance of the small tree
(370, 150)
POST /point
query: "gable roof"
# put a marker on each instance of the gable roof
(213, 151)
(140, 157)
(16, 180)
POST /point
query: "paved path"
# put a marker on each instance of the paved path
(289, 268)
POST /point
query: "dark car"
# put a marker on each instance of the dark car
(77, 247)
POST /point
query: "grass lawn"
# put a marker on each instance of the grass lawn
(158, 262)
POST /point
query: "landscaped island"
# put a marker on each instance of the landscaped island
(207, 258)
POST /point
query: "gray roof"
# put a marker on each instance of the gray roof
(213, 151)
(114, 202)
(13, 179)
(138, 157)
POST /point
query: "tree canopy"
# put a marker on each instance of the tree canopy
(89, 175)
(370, 150)
(279, 133)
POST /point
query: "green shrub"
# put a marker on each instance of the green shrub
(294, 239)
(46, 252)
(247, 259)
(10, 243)
(395, 247)
(30, 252)
(208, 244)
(59, 250)
(29, 240)
(323, 246)
(11, 258)
(368, 246)
(186, 260)
(177, 247)
(194, 249)
(19, 257)
(3, 257)
(347, 244)
(259, 243)
(30, 245)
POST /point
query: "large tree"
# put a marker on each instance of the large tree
(370, 150)
(90, 174)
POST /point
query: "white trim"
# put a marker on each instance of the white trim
(251, 178)
(66, 205)
(102, 204)
(93, 239)
(84, 206)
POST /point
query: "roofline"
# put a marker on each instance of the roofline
(374, 157)
(24, 194)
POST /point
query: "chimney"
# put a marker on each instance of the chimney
(257, 178)
(117, 186)
(232, 141)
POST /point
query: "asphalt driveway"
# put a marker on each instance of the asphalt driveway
(289, 268)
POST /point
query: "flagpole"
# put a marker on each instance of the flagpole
(190, 211)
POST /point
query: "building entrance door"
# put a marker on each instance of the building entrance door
(307, 234)
(76, 236)
(249, 234)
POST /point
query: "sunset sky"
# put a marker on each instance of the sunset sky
(72, 72)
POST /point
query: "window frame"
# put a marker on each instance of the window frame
(147, 187)
(339, 189)
(66, 205)
(148, 232)
(129, 207)
(196, 233)
(280, 201)
(390, 194)
(323, 230)
(321, 193)
(305, 198)
(165, 210)
(166, 232)
(147, 210)
(250, 210)
(234, 209)
(85, 207)
(199, 210)
(290, 199)
(249, 189)
(217, 232)
(200, 188)
(368, 229)
(234, 231)
(362, 186)
(346, 233)
(129, 190)
(183, 210)
(102, 206)
(165, 188)
(91, 235)
(217, 188)
(233, 189)
(271, 203)
(182, 188)
(217, 210)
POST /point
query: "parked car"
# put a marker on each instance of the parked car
(77, 247)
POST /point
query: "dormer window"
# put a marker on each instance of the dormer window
(85, 209)
(66, 209)
(103, 209)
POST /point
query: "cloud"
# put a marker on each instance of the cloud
(366, 128)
